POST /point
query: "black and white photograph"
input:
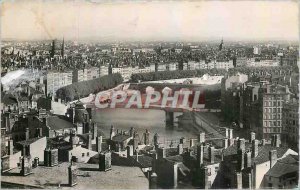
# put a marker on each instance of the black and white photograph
(149, 94)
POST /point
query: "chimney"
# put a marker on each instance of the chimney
(254, 148)
(182, 140)
(241, 144)
(162, 152)
(89, 142)
(201, 138)
(146, 137)
(239, 180)
(10, 147)
(153, 181)
(131, 131)
(180, 148)
(99, 144)
(247, 157)
(191, 142)
(225, 143)
(275, 141)
(252, 136)
(95, 131)
(226, 132)
(211, 153)
(272, 157)
(240, 160)
(230, 133)
(137, 156)
(26, 133)
(156, 139)
(72, 138)
(129, 151)
(112, 132)
(72, 174)
(263, 142)
(200, 152)
(38, 132)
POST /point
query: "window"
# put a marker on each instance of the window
(269, 184)
(87, 154)
(82, 154)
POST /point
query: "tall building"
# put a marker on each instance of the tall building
(58, 79)
(86, 74)
(263, 108)
(290, 123)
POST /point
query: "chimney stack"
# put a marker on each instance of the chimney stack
(129, 151)
(240, 155)
(225, 143)
(10, 147)
(180, 148)
(162, 152)
(38, 132)
(247, 157)
(95, 131)
(72, 174)
(191, 142)
(226, 132)
(156, 139)
(252, 136)
(27, 134)
(211, 152)
(89, 142)
(263, 142)
(254, 148)
(272, 157)
(99, 144)
(200, 152)
(241, 144)
(146, 137)
(230, 133)
(201, 138)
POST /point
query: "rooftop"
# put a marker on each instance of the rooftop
(45, 177)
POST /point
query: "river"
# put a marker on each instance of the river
(141, 119)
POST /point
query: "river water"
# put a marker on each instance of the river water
(141, 119)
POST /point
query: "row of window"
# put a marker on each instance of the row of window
(272, 123)
(274, 110)
(272, 130)
(274, 116)
(269, 103)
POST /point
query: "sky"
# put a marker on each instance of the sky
(149, 20)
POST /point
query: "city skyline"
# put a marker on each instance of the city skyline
(150, 21)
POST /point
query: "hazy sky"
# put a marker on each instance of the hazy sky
(153, 20)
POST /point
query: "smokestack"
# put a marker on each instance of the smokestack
(272, 157)
(200, 152)
(252, 136)
(247, 157)
(26, 133)
(211, 152)
(99, 144)
(254, 148)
